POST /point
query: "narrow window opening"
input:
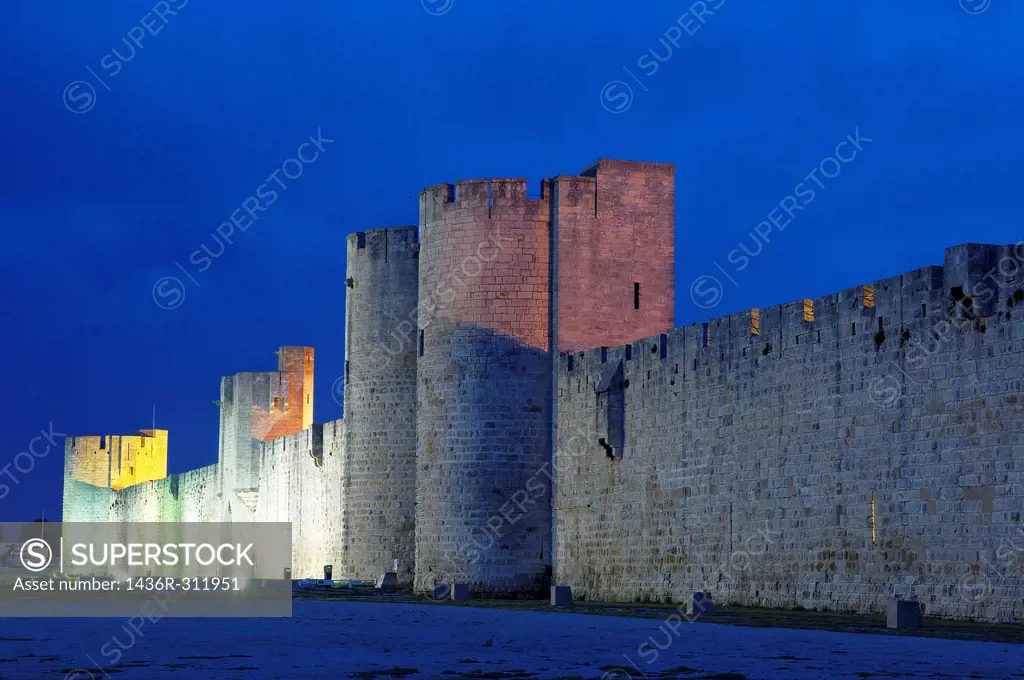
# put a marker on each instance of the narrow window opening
(420, 349)
(347, 373)
(360, 239)
(706, 335)
(636, 295)
(629, 352)
(924, 309)
(853, 328)
(695, 364)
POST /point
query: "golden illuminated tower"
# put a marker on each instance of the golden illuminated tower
(117, 461)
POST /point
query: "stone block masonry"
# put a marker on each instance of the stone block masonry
(857, 447)
(506, 430)
(380, 403)
(484, 381)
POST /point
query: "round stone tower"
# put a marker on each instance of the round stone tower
(484, 388)
(379, 477)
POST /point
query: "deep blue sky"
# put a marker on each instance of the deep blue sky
(95, 207)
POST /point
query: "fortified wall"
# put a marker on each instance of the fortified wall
(829, 453)
(504, 427)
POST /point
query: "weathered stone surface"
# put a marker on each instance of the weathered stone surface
(820, 463)
(380, 403)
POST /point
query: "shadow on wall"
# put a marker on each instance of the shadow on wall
(483, 513)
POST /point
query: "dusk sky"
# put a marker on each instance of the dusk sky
(116, 170)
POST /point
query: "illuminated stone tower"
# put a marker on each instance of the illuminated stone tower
(117, 461)
(255, 408)
(95, 465)
(614, 260)
(380, 403)
(484, 406)
(506, 282)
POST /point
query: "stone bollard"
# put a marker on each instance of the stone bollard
(701, 604)
(903, 614)
(442, 591)
(561, 596)
(460, 591)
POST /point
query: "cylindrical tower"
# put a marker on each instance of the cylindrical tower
(484, 389)
(379, 482)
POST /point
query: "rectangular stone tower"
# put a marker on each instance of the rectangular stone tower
(507, 281)
(117, 461)
(614, 262)
(256, 408)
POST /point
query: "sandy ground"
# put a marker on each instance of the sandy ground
(381, 640)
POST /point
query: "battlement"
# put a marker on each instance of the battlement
(484, 196)
(116, 461)
(890, 312)
(384, 244)
(615, 165)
